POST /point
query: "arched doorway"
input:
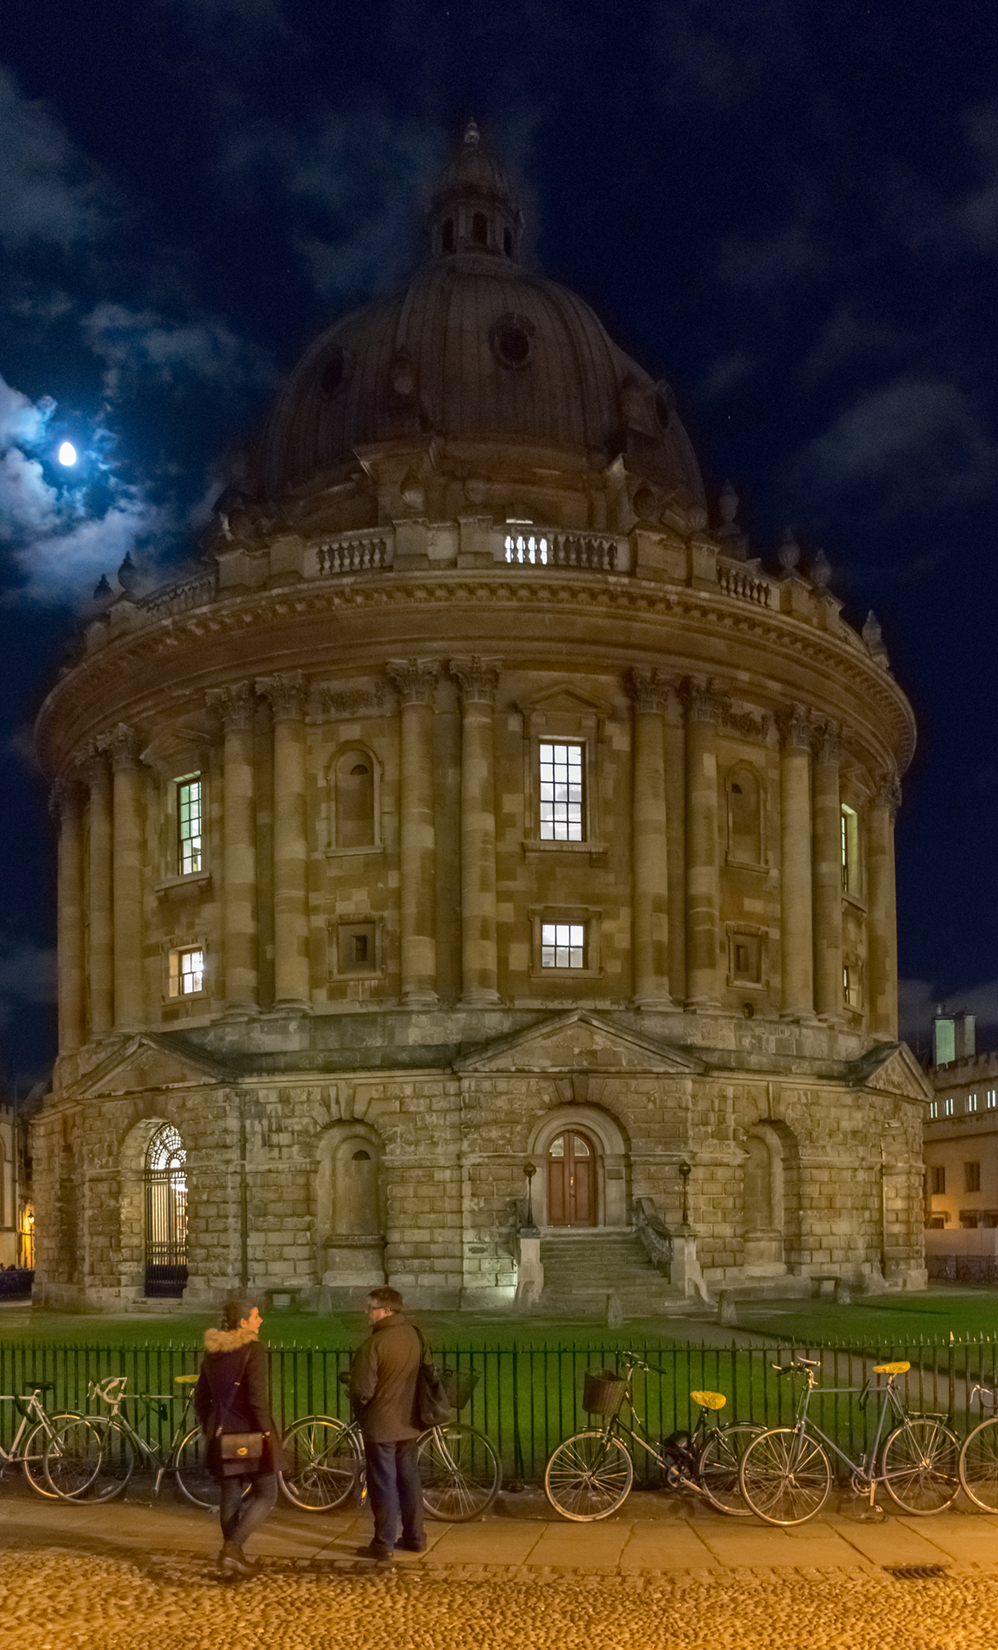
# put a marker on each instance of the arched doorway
(165, 1178)
(572, 1180)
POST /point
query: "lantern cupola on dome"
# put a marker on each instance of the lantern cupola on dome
(473, 208)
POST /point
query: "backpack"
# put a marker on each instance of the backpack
(433, 1403)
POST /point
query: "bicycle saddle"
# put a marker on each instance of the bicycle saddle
(184, 1380)
(709, 1400)
(39, 1386)
(891, 1369)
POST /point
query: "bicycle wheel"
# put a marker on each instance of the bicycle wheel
(588, 1477)
(460, 1472)
(325, 1463)
(921, 1466)
(785, 1476)
(190, 1469)
(720, 1464)
(978, 1466)
(89, 1460)
(33, 1454)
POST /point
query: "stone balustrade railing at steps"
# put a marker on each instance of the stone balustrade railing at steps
(529, 1397)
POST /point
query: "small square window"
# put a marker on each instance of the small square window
(745, 958)
(563, 945)
(937, 1177)
(186, 973)
(356, 948)
(971, 1177)
(561, 793)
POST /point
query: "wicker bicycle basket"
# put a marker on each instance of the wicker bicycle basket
(603, 1392)
(459, 1384)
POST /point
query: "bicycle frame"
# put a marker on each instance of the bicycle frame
(890, 1404)
(112, 1392)
(33, 1412)
(615, 1425)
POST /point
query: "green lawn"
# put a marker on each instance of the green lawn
(957, 1310)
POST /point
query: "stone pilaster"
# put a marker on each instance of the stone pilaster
(121, 745)
(674, 733)
(478, 679)
(66, 803)
(415, 681)
(827, 875)
(292, 983)
(100, 953)
(703, 977)
(796, 926)
(881, 942)
(236, 708)
(650, 862)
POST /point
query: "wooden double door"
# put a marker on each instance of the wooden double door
(573, 1180)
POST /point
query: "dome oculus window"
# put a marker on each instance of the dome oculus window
(334, 372)
(512, 340)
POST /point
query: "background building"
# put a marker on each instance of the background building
(961, 1156)
(475, 804)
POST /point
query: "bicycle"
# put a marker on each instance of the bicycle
(786, 1473)
(29, 1441)
(590, 1475)
(459, 1469)
(978, 1464)
(92, 1457)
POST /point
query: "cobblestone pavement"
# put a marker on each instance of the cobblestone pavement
(54, 1600)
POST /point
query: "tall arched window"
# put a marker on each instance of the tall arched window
(354, 783)
(744, 817)
(165, 1213)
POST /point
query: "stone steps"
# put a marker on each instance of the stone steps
(582, 1270)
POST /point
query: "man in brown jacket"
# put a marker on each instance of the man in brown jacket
(383, 1390)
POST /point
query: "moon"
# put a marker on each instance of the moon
(67, 453)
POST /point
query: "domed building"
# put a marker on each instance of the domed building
(477, 875)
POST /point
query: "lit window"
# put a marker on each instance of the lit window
(972, 1102)
(933, 1108)
(561, 793)
(971, 1177)
(850, 986)
(563, 945)
(521, 547)
(938, 1178)
(186, 973)
(189, 824)
(989, 1100)
(948, 1107)
(850, 850)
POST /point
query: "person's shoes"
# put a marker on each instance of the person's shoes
(403, 1546)
(371, 1551)
(232, 1562)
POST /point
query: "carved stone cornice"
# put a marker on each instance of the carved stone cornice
(478, 678)
(887, 790)
(650, 689)
(414, 680)
(828, 744)
(286, 692)
(795, 728)
(702, 701)
(234, 705)
(121, 745)
(745, 724)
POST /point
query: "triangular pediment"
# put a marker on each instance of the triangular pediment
(891, 1068)
(564, 699)
(578, 1041)
(148, 1062)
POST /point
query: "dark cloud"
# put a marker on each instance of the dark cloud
(49, 192)
(27, 975)
(725, 55)
(140, 347)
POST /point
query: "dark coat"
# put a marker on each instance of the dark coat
(231, 1393)
(383, 1382)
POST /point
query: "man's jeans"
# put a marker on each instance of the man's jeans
(240, 1517)
(395, 1492)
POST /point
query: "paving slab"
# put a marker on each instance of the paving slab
(673, 1546)
(894, 1542)
(490, 1543)
(596, 1547)
(965, 1539)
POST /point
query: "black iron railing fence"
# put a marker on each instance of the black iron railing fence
(527, 1399)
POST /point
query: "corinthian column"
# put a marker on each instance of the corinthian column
(827, 871)
(415, 681)
(478, 679)
(235, 706)
(66, 804)
(650, 691)
(122, 747)
(881, 942)
(292, 982)
(796, 948)
(100, 954)
(703, 709)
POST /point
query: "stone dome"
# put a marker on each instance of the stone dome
(475, 348)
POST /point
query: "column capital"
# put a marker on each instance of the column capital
(92, 763)
(234, 705)
(478, 678)
(414, 680)
(702, 699)
(650, 689)
(887, 789)
(828, 743)
(287, 694)
(121, 745)
(64, 798)
(795, 728)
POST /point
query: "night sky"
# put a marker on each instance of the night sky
(788, 210)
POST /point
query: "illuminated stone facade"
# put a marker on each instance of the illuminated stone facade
(475, 802)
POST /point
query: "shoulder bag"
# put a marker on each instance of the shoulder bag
(433, 1402)
(240, 1452)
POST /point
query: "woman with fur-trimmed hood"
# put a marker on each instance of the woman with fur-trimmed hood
(231, 1396)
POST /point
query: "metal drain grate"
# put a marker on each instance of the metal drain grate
(916, 1572)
